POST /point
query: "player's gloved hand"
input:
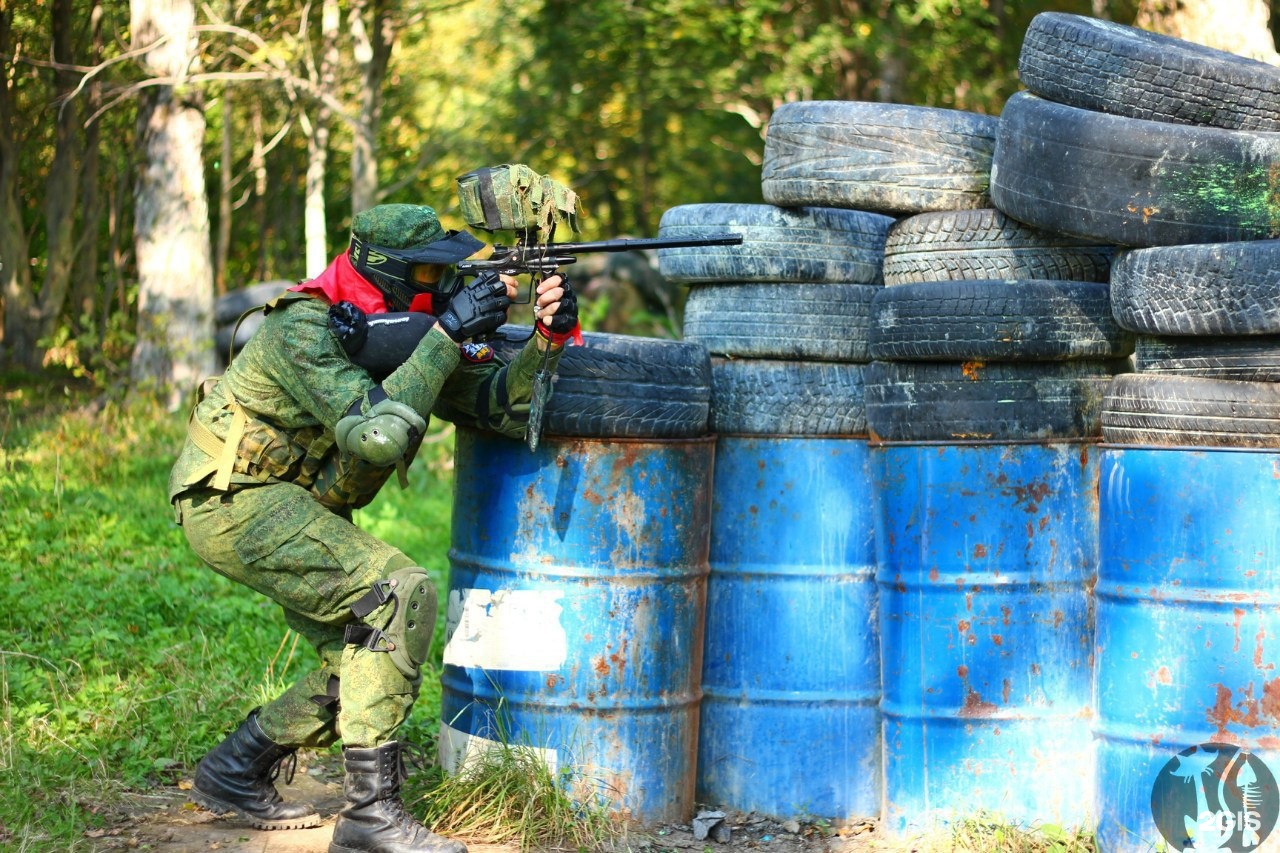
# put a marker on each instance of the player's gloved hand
(562, 324)
(477, 309)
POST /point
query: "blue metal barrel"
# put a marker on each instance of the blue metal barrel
(791, 676)
(575, 611)
(1188, 605)
(985, 558)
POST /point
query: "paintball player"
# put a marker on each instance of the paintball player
(279, 452)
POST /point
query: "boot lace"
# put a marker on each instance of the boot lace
(291, 760)
(414, 755)
(411, 754)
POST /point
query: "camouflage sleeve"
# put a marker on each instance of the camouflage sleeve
(494, 395)
(312, 368)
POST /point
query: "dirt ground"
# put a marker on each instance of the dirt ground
(164, 821)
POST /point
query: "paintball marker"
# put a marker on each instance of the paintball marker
(392, 337)
(541, 260)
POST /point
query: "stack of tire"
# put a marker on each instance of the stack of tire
(1172, 150)
(233, 325)
(790, 719)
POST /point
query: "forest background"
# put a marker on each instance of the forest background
(156, 153)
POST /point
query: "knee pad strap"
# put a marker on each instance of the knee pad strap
(397, 616)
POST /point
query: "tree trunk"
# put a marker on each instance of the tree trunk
(1238, 26)
(62, 183)
(171, 229)
(372, 52)
(225, 204)
(315, 221)
(222, 251)
(20, 318)
(258, 165)
(84, 281)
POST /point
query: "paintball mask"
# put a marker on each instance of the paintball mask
(389, 241)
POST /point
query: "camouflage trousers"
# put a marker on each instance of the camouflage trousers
(278, 540)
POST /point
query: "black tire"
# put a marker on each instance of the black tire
(819, 322)
(228, 307)
(222, 337)
(807, 244)
(1133, 182)
(1213, 289)
(751, 397)
(891, 158)
(922, 401)
(1241, 359)
(986, 244)
(1184, 411)
(996, 321)
(619, 386)
(1110, 68)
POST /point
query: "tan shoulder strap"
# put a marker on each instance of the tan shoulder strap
(221, 452)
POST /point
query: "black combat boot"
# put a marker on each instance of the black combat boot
(237, 775)
(374, 819)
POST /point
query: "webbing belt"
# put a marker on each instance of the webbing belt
(221, 452)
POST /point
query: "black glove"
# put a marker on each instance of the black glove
(565, 320)
(477, 309)
(350, 324)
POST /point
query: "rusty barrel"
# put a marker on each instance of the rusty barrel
(791, 676)
(986, 553)
(575, 610)
(1188, 609)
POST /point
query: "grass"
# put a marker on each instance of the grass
(508, 794)
(122, 658)
(983, 834)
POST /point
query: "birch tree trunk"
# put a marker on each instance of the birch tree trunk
(373, 43)
(1238, 26)
(315, 221)
(171, 229)
(20, 318)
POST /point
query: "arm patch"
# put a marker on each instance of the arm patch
(477, 353)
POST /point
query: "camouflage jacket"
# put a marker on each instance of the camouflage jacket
(294, 382)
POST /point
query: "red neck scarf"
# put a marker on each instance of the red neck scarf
(341, 283)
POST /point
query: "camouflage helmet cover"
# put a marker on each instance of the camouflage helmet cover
(397, 226)
(388, 240)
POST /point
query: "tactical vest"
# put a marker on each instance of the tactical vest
(255, 450)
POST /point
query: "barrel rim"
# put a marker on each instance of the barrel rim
(1273, 451)
(987, 442)
(549, 438)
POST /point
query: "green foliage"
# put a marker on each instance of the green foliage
(639, 106)
(122, 657)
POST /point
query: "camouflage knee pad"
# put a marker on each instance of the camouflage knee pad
(397, 616)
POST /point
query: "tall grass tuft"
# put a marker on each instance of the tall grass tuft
(984, 834)
(508, 794)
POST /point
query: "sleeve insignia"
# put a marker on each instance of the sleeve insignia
(477, 353)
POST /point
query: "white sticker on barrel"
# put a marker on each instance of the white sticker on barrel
(505, 629)
(458, 750)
